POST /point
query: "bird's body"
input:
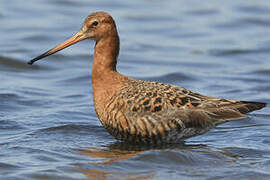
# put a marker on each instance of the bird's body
(143, 111)
(151, 112)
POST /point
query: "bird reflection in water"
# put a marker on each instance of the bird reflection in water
(113, 153)
(106, 159)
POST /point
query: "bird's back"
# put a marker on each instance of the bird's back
(152, 112)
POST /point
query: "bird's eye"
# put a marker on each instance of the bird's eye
(95, 23)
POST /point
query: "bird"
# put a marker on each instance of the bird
(140, 111)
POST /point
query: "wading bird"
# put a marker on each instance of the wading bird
(142, 111)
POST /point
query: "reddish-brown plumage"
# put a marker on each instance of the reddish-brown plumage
(143, 111)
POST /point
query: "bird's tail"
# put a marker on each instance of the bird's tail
(248, 106)
(234, 111)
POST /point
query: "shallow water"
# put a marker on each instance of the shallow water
(48, 127)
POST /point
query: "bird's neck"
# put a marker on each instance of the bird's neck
(105, 79)
(105, 56)
(105, 59)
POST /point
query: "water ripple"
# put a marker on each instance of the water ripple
(232, 52)
(170, 78)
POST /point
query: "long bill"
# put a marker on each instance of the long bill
(73, 40)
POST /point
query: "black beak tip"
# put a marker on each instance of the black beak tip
(30, 62)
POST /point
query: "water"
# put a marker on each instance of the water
(48, 127)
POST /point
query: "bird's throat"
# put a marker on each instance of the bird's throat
(105, 78)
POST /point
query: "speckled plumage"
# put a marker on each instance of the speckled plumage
(152, 112)
(142, 111)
